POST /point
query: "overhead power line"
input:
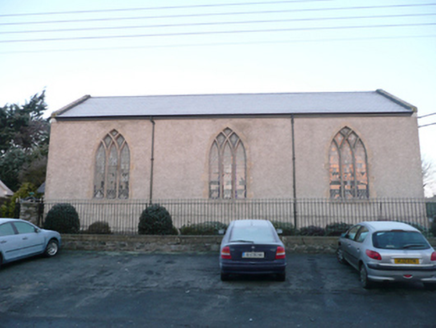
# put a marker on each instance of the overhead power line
(217, 44)
(160, 8)
(217, 23)
(214, 14)
(216, 32)
(427, 115)
(423, 126)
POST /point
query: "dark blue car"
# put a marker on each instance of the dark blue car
(252, 247)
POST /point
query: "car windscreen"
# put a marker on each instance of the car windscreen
(254, 234)
(399, 240)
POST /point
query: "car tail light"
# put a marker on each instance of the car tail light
(433, 256)
(373, 255)
(225, 253)
(280, 254)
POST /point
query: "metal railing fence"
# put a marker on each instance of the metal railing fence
(123, 215)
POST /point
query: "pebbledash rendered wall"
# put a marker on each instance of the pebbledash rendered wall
(181, 155)
(181, 161)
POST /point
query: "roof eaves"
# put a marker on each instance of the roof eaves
(69, 106)
(397, 100)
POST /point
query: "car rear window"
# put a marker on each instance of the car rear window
(399, 240)
(255, 234)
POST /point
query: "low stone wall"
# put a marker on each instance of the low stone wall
(167, 244)
(184, 243)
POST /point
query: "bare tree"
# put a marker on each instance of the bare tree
(428, 177)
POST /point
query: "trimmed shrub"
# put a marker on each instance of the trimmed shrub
(204, 228)
(99, 227)
(287, 228)
(433, 227)
(62, 218)
(336, 228)
(312, 231)
(156, 220)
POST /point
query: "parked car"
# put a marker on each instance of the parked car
(388, 251)
(252, 247)
(20, 239)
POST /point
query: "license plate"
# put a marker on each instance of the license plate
(253, 255)
(406, 261)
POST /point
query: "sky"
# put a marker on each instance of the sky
(131, 47)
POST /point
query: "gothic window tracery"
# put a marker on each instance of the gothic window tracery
(348, 166)
(112, 167)
(227, 167)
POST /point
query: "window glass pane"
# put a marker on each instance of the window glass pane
(399, 240)
(335, 179)
(348, 166)
(99, 175)
(240, 172)
(347, 170)
(214, 182)
(361, 171)
(112, 173)
(352, 233)
(227, 172)
(123, 191)
(107, 140)
(24, 227)
(362, 235)
(6, 229)
(255, 234)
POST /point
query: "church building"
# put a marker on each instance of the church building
(335, 145)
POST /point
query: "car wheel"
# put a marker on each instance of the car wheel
(52, 248)
(429, 286)
(281, 276)
(224, 276)
(364, 281)
(340, 256)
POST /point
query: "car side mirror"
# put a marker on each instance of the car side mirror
(221, 232)
(37, 230)
(279, 231)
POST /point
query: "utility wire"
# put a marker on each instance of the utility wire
(216, 32)
(426, 115)
(423, 126)
(218, 23)
(217, 44)
(160, 8)
(215, 14)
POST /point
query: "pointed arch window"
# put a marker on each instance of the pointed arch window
(112, 167)
(227, 167)
(348, 166)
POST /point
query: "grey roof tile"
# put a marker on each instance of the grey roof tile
(372, 102)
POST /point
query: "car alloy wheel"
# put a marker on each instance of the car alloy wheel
(340, 255)
(364, 277)
(52, 248)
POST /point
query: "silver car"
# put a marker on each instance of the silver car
(20, 239)
(388, 251)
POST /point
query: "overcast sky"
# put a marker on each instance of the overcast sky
(132, 47)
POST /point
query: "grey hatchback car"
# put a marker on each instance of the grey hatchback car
(388, 251)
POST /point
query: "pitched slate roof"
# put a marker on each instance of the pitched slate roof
(373, 102)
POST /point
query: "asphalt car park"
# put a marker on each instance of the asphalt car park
(108, 289)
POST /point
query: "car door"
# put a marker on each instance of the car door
(9, 242)
(32, 241)
(349, 245)
(356, 245)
